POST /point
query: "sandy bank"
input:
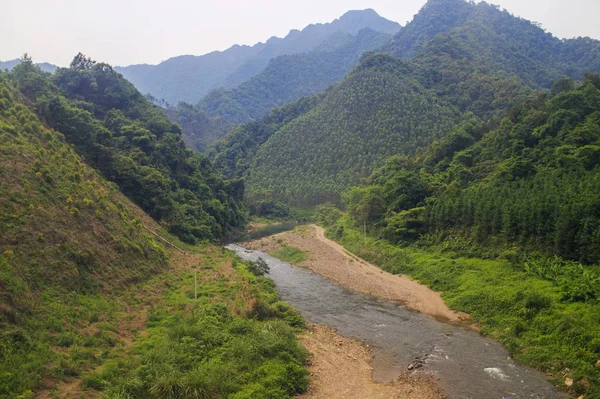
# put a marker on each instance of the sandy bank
(331, 260)
(340, 368)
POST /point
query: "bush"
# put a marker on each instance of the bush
(258, 268)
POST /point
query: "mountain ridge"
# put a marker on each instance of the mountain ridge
(201, 74)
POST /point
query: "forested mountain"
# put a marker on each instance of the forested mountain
(287, 78)
(474, 59)
(494, 40)
(188, 78)
(311, 159)
(44, 66)
(132, 143)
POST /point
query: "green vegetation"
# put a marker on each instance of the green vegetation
(131, 142)
(289, 254)
(530, 180)
(525, 303)
(503, 218)
(236, 340)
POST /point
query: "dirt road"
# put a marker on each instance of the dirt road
(331, 260)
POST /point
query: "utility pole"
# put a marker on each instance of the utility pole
(195, 284)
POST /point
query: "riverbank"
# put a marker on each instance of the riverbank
(529, 314)
(340, 369)
(331, 260)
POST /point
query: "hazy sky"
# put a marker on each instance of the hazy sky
(123, 32)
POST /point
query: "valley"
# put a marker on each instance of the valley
(353, 209)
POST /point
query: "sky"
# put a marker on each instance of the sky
(123, 32)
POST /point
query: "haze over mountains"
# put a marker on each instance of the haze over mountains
(188, 78)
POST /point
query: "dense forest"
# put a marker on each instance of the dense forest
(314, 157)
(530, 179)
(132, 143)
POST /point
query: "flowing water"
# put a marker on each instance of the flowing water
(466, 364)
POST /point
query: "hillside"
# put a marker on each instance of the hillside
(189, 78)
(92, 302)
(132, 143)
(64, 229)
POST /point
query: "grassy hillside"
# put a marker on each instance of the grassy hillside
(91, 300)
(67, 236)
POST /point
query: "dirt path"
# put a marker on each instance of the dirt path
(331, 260)
(340, 370)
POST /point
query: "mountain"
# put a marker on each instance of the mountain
(132, 143)
(315, 156)
(289, 77)
(458, 57)
(44, 66)
(189, 78)
(493, 39)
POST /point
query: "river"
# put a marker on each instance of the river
(466, 364)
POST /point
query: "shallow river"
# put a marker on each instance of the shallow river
(466, 364)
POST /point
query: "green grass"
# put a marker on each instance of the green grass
(529, 314)
(290, 254)
(237, 341)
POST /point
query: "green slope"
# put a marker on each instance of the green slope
(67, 235)
(93, 304)
(374, 113)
